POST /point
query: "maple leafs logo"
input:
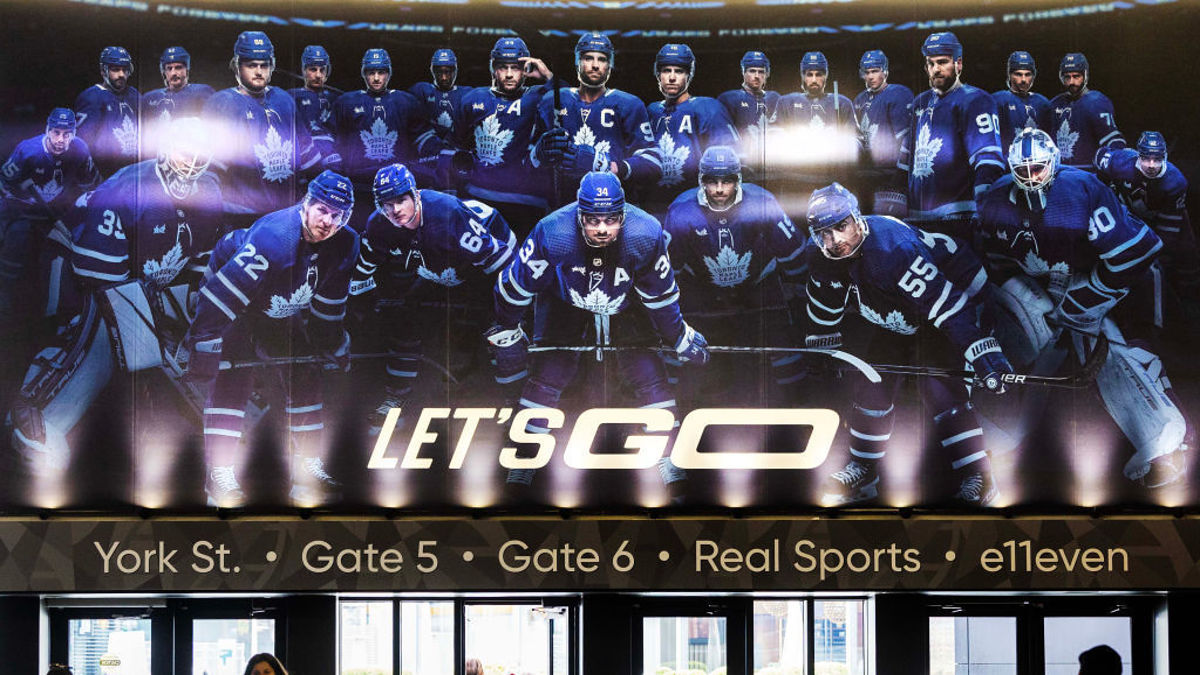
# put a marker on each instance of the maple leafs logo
(816, 122)
(52, 188)
(491, 140)
(127, 136)
(585, 136)
(868, 130)
(925, 152)
(444, 120)
(597, 302)
(275, 157)
(448, 277)
(729, 269)
(379, 142)
(160, 273)
(281, 307)
(894, 321)
(673, 159)
(1066, 140)
(1035, 266)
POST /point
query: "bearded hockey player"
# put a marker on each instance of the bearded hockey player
(594, 126)
(377, 126)
(1081, 120)
(278, 289)
(922, 292)
(137, 253)
(883, 115)
(314, 101)
(441, 97)
(1018, 106)
(599, 272)
(107, 113)
(180, 97)
(813, 108)
(736, 254)
(1064, 253)
(422, 251)
(752, 106)
(952, 151)
(261, 148)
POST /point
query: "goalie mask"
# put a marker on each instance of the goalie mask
(184, 157)
(600, 208)
(835, 223)
(392, 184)
(1033, 161)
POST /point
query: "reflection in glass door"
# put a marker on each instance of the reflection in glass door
(973, 645)
(684, 645)
(118, 646)
(1066, 637)
(223, 646)
(526, 639)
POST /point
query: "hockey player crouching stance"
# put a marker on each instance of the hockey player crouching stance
(1064, 252)
(922, 290)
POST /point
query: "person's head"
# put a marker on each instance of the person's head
(1152, 154)
(1021, 71)
(317, 67)
(720, 178)
(443, 66)
(1100, 660)
(756, 68)
(1073, 73)
(601, 208)
(376, 69)
(60, 129)
(253, 61)
(115, 67)
(834, 222)
(184, 156)
(873, 69)
(508, 58)
(594, 60)
(175, 65)
(264, 664)
(814, 68)
(326, 207)
(674, 67)
(396, 196)
(1033, 161)
(943, 60)
(473, 667)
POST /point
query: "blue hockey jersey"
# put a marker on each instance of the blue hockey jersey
(372, 131)
(33, 179)
(616, 125)
(439, 105)
(751, 116)
(903, 279)
(1019, 112)
(1161, 202)
(555, 261)
(682, 132)
(455, 241)
(1081, 126)
(163, 105)
(108, 123)
(1081, 228)
(498, 129)
(314, 109)
(952, 152)
(133, 229)
(819, 112)
(884, 118)
(261, 148)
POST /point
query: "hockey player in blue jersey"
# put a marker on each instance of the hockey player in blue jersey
(751, 107)
(883, 112)
(599, 272)
(441, 96)
(138, 251)
(1155, 191)
(277, 289)
(108, 113)
(178, 98)
(1063, 253)
(813, 108)
(314, 102)
(683, 126)
(260, 148)
(422, 251)
(595, 126)
(923, 292)
(39, 184)
(377, 126)
(738, 259)
(952, 152)
(1018, 106)
(493, 132)
(1081, 120)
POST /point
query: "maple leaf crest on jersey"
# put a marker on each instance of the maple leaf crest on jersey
(491, 140)
(893, 322)
(868, 130)
(162, 272)
(444, 121)
(729, 269)
(275, 157)
(281, 307)
(448, 277)
(53, 187)
(673, 159)
(379, 142)
(585, 136)
(127, 136)
(597, 302)
(1036, 267)
(925, 153)
(1066, 140)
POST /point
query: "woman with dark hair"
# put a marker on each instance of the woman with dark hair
(265, 664)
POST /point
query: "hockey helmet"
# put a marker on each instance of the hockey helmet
(829, 207)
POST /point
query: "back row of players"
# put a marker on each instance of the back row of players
(286, 279)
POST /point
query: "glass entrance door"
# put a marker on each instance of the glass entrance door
(530, 639)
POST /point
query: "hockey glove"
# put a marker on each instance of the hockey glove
(551, 147)
(203, 363)
(826, 341)
(338, 358)
(989, 364)
(510, 350)
(691, 346)
(890, 203)
(579, 159)
(1086, 303)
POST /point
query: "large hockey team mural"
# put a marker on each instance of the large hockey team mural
(535, 290)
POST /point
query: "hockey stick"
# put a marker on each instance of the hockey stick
(1080, 378)
(313, 359)
(865, 368)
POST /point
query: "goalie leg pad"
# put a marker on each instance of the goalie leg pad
(1021, 305)
(132, 327)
